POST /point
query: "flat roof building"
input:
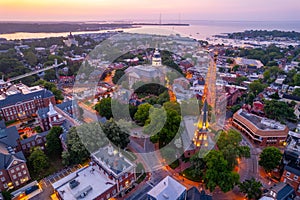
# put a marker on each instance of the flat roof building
(260, 130)
(168, 188)
(85, 183)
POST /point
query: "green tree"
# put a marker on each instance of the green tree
(53, 144)
(296, 92)
(217, 173)
(251, 188)
(256, 87)
(169, 130)
(296, 79)
(77, 152)
(278, 110)
(270, 158)
(198, 165)
(50, 75)
(235, 68)
(240, 79)
(31, 58)
(119, 136)
(142, 113)
(119, 73)
(92, 136)
(38, 160)
(156, 121)
(229, 144)
(104, 108)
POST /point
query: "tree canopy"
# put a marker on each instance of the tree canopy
(77, 152)
(217, 172)
(104, 108)
(278, 110)
(257, 87)
(38, 160)
(229, 144)
(119, 136)
(251, 188)
(270, 158)
(142, 114)
(53, 144)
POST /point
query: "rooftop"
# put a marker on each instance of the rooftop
(20, 92)
(113, 161)
(260, 122)
(88, 179)
(168, 188)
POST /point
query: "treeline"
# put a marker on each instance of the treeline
(264, 33)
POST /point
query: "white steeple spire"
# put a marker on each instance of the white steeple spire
(51, 112)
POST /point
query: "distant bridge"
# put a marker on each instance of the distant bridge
(37, 71)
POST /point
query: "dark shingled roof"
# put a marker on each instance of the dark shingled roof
(285, 192)
(43, 134)
(293, 169)
(19, 97)
(291, 97)
(42, 113)
(2, 124)
(194, 194)
(9, 136)
(6, 159)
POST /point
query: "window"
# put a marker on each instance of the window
(288, 174)
(39, 141)
(107, 196)
(19, 174)
(14, 176)
(12, 171)
(2, 179)
(24, 172)
(17, 183)
(5, 185)
(295, 178)
(28, 145)
(18, 168)
(114, 191)
(1, 172)
(22, 166)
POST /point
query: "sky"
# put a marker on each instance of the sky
(98, 10)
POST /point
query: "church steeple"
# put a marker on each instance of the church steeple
(156, 58)
(200, 137)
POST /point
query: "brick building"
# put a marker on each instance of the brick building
(291, 161)
(13, 168)
(51, 115)
(34, 141)
(109, 174)
(261, 131)
(20, 101)
(116, 167)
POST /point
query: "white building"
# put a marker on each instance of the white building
(168, 188)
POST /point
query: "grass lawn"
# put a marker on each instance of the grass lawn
(55, 165)
(188, 173)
